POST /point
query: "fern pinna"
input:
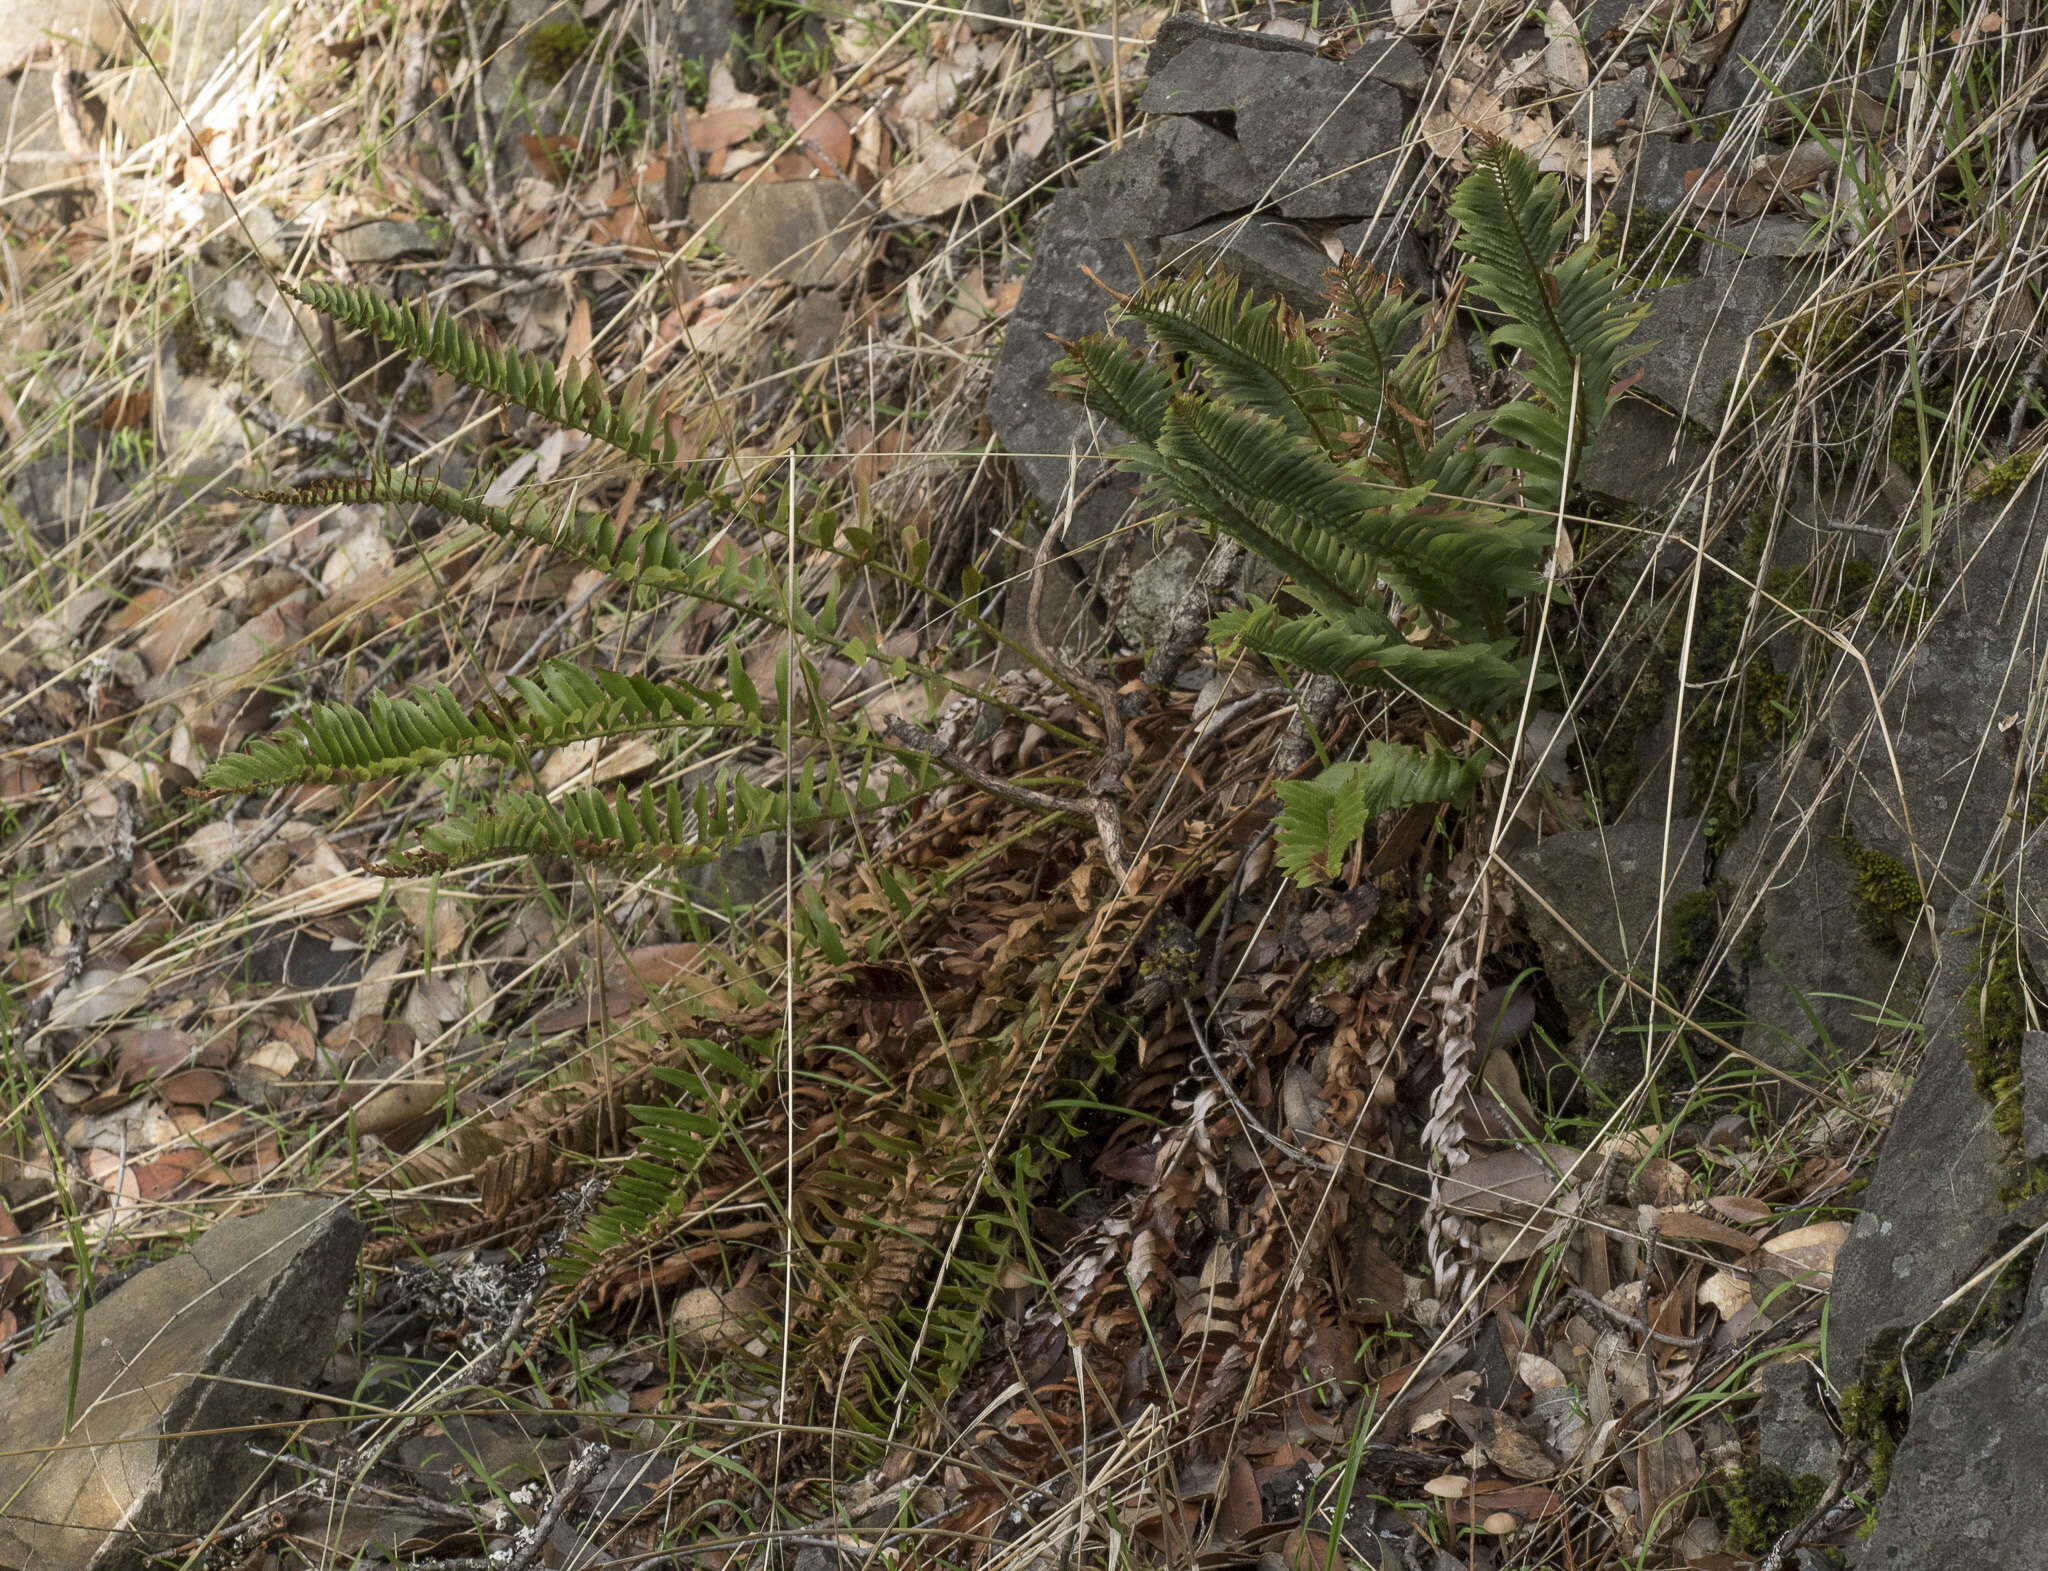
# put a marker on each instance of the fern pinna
(1409, 539)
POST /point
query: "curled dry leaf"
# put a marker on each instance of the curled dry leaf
(821, 129)
(1725, 1291)
(1809, 1249)
(936, 181)
(1512, 1186)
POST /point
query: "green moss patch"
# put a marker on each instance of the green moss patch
(553, 48)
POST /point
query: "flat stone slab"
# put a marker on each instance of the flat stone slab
(1054, 441)
(184, 1365)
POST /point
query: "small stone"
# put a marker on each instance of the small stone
(1156, 590)
(1325, 142)
(1641, 456)
(699, 30)
(1795, 1436)
(1387, 57)
(989, 16)
(384, 240)
(811, 233)
(1269, 257)
(1177, 174)
(1609, 109)
(184, 1366)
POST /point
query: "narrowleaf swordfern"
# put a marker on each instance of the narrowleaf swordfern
(1411, 543)
(1408, 540)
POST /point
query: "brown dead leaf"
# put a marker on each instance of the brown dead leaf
(1510, 1186)
(936, 181)
(194, 1087)
(125, 410)
(1565, 69)
(391, 1108)
(1809, 1251)
(1243, 1512)
(1507, 1447)
(821, 129)
(715, 130)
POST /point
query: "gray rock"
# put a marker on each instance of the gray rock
(703, 30)
(384, 240)
(1641, 456)
(811, 233)
(1592, 905)
(1156, 589)
(1728, 248)
(1665, 171)
(989, 16)
(1270, 257)
(1770, 55)
(1697, 336)
(27, 32)
(183, 1366)
(1177, 174)
(2034, 1107)
(276, 342)
(1966, 1477)
(34, 153)
(1386, 57)
(1932, 1208)
(1609, 109)
(1326, 142)
(1216, 71)
(1061, 301)
(1943, 695)
(1817, 975)
(1796, 1437)
(203, 436)
(1183, 31)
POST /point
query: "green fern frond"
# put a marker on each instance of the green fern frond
(646, 556)
(1111, 377)
(656, 827)
(1270, 489)
(1568, 320)
(1249, 349)
(559, 704)
(1379, 369)
(576, 401)
(1464, 679)
(671, 1144)
(1322, 819)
